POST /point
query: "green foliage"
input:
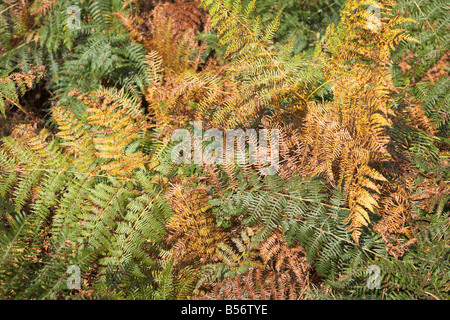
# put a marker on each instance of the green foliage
(306, 213)
(413, 70)
(303, 21)
(100, 52)
(422, 273)
(78, 214)
(95, 186)
(270, 77)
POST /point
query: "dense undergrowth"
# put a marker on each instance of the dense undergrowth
(358, 208)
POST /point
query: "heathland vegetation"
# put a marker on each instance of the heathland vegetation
(92, 205)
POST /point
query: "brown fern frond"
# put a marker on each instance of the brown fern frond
(186, 17)
(274, 271)
(396, 211)
(42, 7)
(416, 117)
(15, 85)
(182, 98)
(395, 245)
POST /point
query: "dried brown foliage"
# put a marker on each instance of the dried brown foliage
(277, 272)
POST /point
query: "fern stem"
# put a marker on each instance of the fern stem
(16, 104)
(315, 90)
(11, 6)
(429, 24)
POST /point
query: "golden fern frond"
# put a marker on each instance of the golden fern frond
(348, 136)
(26, 159)
(114, 121)
(119, 123)
(193, 232)
(76, 137)
(265, 75)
